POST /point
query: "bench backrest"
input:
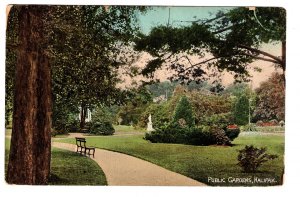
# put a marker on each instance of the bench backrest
(80, 141)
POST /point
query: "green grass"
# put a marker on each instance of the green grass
(69, 168)
(200, 162)
(125, 128)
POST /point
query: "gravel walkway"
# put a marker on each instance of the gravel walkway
(124, 170)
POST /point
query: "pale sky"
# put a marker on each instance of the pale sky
(160, 15)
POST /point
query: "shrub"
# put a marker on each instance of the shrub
(220, 120)
(192, 136)
(102, 128)
(232, 132)
(250, 158)
(167, 134)
(197, 136)
(219, 137)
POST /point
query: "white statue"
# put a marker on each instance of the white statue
(149, 125)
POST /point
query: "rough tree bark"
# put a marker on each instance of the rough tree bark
(30, 151)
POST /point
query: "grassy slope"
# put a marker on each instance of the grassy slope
(195, 161)
(69, 168)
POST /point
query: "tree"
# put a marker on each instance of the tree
(236, 89)
(39, 42)
(271, 99)
(29, 159)
(241, 110)
(131, 111)
(85, 65)
(184, 114)
(229, 41)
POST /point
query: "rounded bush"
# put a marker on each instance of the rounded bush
(232, 132)
(102, 128)
(219, 137)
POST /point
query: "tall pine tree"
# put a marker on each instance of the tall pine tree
(184, 112)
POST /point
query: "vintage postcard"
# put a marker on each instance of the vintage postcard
(115, 95)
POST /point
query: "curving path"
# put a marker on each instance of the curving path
(121, 169)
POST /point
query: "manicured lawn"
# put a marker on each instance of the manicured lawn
(201, 163)
(69, 168)
(125, 128)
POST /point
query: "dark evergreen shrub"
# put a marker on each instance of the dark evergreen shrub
(167, 134)
(173, 134)
(197, 136)
(232, 132)
(184, 112)
(102, 128)
(250, 158)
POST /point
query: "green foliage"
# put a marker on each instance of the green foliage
(271, 99)
(162, 113)
(102, 128)
(132, 110)
(233, 38)
(191, 135)
(65, 119)
(232, 133)
(220, 120)
(179, 135)
(251, 127)
(167, 134)
(162, 88)
(184, 112)
(219, 137)
(241, 110)
(211, 109)
(250, 158)
(84, 66)
(200, 137)
(104, 113)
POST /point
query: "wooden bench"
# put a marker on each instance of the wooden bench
(82, 148)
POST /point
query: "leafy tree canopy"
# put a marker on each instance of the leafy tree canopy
(86, 46)
(271, 99)
(229, 41)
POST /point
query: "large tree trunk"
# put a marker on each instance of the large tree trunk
(30, 150)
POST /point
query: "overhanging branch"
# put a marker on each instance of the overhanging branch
(261, 58)
(276, 59)
(203, 62)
